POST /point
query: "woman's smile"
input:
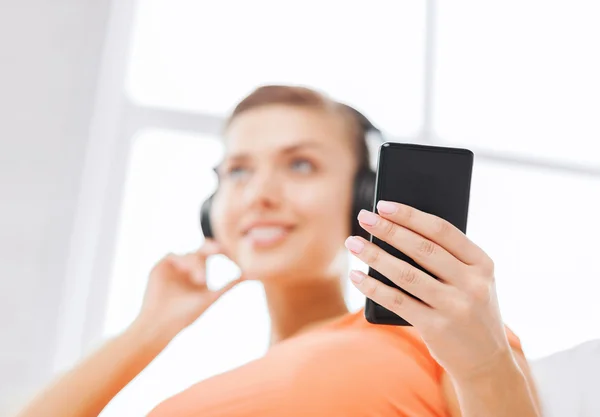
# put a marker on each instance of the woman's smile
(266, 234)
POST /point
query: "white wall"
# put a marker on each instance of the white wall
(49, 56)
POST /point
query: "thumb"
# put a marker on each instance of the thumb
(218, 293)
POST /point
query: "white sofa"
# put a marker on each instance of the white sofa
(568, 381)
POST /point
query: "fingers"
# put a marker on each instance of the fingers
(194, 263)
(431, 256)
(209, 248)
(410, 309)
(411, 279)
(433, 228)
(218, 293)
(188, 268)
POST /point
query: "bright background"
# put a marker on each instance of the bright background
(469, 73)
(515, 81)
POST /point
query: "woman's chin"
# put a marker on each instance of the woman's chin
(283, 263)
(265, 261)
(281, 270)
(267, 272)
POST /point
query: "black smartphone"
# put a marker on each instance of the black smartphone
(433, 179)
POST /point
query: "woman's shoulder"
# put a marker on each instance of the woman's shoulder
(402, 341)
(405, 338)
(320, 367)
(357, 321)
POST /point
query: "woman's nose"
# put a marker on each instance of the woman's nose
(264, 189)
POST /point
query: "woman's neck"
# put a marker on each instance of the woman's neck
(295, 308)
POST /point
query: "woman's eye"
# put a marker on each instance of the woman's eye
(237, 173)
(302, 166)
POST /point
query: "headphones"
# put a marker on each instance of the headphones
(364, 181)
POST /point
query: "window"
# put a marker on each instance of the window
(499, 78)
(539, 228)
(169, 175)
(203, 56)
(520, 77)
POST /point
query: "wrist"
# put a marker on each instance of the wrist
(151, 334)
(501, 389)
(501, 373)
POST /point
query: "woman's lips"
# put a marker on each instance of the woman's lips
(266, 236)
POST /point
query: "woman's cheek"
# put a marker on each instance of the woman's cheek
(327, 206)
(223, 219)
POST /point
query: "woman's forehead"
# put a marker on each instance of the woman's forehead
(273, 128)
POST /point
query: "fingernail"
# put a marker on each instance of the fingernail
(386, 207)
(357, 277)
(368, 218)
(354, 244)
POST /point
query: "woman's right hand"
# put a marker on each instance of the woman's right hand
(176, 296)
(177, 293)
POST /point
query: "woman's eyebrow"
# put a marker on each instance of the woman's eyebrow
(302, 145)
(243, 155)
(239, 156)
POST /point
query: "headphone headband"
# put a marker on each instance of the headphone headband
(364, 122)
(373, 137)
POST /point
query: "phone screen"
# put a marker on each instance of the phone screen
(432, 179)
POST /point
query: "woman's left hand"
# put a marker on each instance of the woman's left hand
(458, 317)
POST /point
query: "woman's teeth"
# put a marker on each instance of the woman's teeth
(264, 234)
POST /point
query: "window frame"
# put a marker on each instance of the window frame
(116, 120)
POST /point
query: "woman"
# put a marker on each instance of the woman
(282, 212)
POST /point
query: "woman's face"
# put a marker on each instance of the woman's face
(284, 201)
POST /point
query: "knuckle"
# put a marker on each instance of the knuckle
(370, 289)
(188, 261)
(480, 292)
(407, 213)
(426, 248)
(173, 260)
(440, 227)
(388, 229)
(372, 255)
(488, 265)
(462, 311)
(440, 326)
(396, 301)
(408, 275)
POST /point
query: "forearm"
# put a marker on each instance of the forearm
(90, 386)
(502, 391)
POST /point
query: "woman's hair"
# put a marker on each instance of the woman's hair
(308, 98)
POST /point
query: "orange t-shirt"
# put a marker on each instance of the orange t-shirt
(347, 368)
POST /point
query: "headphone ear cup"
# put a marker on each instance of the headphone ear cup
(364, 196)
(205, 218)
